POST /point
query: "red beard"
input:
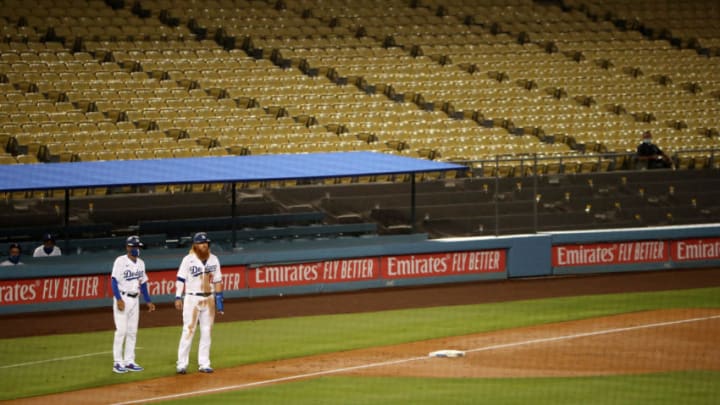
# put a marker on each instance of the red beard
(202, 254)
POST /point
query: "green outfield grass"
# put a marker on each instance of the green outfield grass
(41, 365)
(651, 389)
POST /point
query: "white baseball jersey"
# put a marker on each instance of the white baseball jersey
(40, 252)
(197, 309)
(9, 263)
(199, 277)
(128, 274)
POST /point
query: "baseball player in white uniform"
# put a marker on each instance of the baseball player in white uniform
(128, 281)
(199, 276)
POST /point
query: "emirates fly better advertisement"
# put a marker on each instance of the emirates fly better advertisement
(57, 289)
(656, 251)
(444, 264)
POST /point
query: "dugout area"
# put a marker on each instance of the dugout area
(230, 175)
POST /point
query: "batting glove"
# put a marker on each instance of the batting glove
(219, 302)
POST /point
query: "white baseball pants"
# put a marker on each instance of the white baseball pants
(197, 310)
(126, 327)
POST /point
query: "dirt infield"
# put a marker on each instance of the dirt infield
(646, 341)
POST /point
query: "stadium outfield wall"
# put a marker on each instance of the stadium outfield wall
(325, 266)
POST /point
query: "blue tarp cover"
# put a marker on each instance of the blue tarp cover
(210, 170)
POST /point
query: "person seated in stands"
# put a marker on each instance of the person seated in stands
(48, 247)
(650, 155)
(13, 259)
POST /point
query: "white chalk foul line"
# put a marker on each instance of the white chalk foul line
(31, 363)
(411, 359)
(272, 381)
(595, 333)
(77, 356)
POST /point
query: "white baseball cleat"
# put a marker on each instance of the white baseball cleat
(118, 368)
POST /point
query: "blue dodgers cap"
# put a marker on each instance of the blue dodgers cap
(201, 237)
(134, 241)
(48, 236)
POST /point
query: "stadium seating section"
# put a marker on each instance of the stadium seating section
(544, 101)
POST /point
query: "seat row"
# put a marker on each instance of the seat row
(436, 83)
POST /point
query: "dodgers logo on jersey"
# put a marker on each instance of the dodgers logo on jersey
(132, 275)
(198, 270)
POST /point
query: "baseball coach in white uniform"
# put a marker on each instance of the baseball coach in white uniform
(128, 281)
(199, 276)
